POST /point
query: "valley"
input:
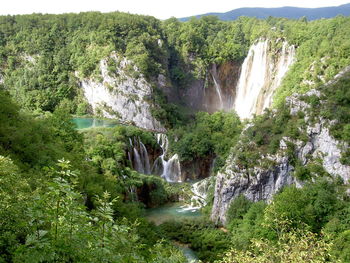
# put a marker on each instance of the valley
(124, 138)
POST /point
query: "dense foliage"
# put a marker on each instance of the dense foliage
(293, 221)
(87, 207)
(72, 211)
(42, 57)
(208, 241)
(300, 225)
(209, 135)
(40, 53)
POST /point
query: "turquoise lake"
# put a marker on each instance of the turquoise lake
(173, 211)
(86, 123)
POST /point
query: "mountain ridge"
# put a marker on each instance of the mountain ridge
(289, 12)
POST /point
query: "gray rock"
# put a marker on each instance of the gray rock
(121, 95)
(259, 183)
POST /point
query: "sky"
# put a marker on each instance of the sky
(161, 9)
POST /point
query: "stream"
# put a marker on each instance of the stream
(174, 211)
(188, 253)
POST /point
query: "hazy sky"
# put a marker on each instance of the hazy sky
(159, 8)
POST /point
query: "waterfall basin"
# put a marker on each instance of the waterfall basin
(172, 211)
(86, 123)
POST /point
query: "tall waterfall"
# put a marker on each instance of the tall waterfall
(140, 161)
(145, 158)
(262, 72)
(171, 169)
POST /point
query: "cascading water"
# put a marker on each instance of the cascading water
(171, 168)
(285, 60)
(261, 74)
(93, 123)
(200, 192)
(145, 158)
(218, 91)
(138, 156)
(138, 163)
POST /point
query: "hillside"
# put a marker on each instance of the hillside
(219, 141)
(286, 12)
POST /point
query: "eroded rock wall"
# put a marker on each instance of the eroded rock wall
(122, 94)
(261, 182)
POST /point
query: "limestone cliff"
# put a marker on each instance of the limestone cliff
(121, 92)
(262, 181)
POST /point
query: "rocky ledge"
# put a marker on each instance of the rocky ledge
(262, 182)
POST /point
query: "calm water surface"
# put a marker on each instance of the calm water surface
(85, 123)
(173, 211)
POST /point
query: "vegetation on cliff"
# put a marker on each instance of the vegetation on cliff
(69, 196)
(41, 55)
(79, 210)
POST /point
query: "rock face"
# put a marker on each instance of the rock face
(320, 143)
(119, 95)
(199, 168)
(261, 183)
(214, 92)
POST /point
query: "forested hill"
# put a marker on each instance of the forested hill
(44, 59)
(286, 12)
(79, 196)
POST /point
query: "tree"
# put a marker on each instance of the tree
(293, 245)
(15, 197)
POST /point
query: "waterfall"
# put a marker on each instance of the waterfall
(285, 60)
(200, 192)
(138, 162)
(145, 158)
(93, 123)
(261, 74)
(171, 169)
(218, 91)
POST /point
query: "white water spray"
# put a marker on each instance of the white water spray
(171, 168)
(261, 74)
(145, 158)
(138, 163)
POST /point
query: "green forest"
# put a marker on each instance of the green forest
(69, 195)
